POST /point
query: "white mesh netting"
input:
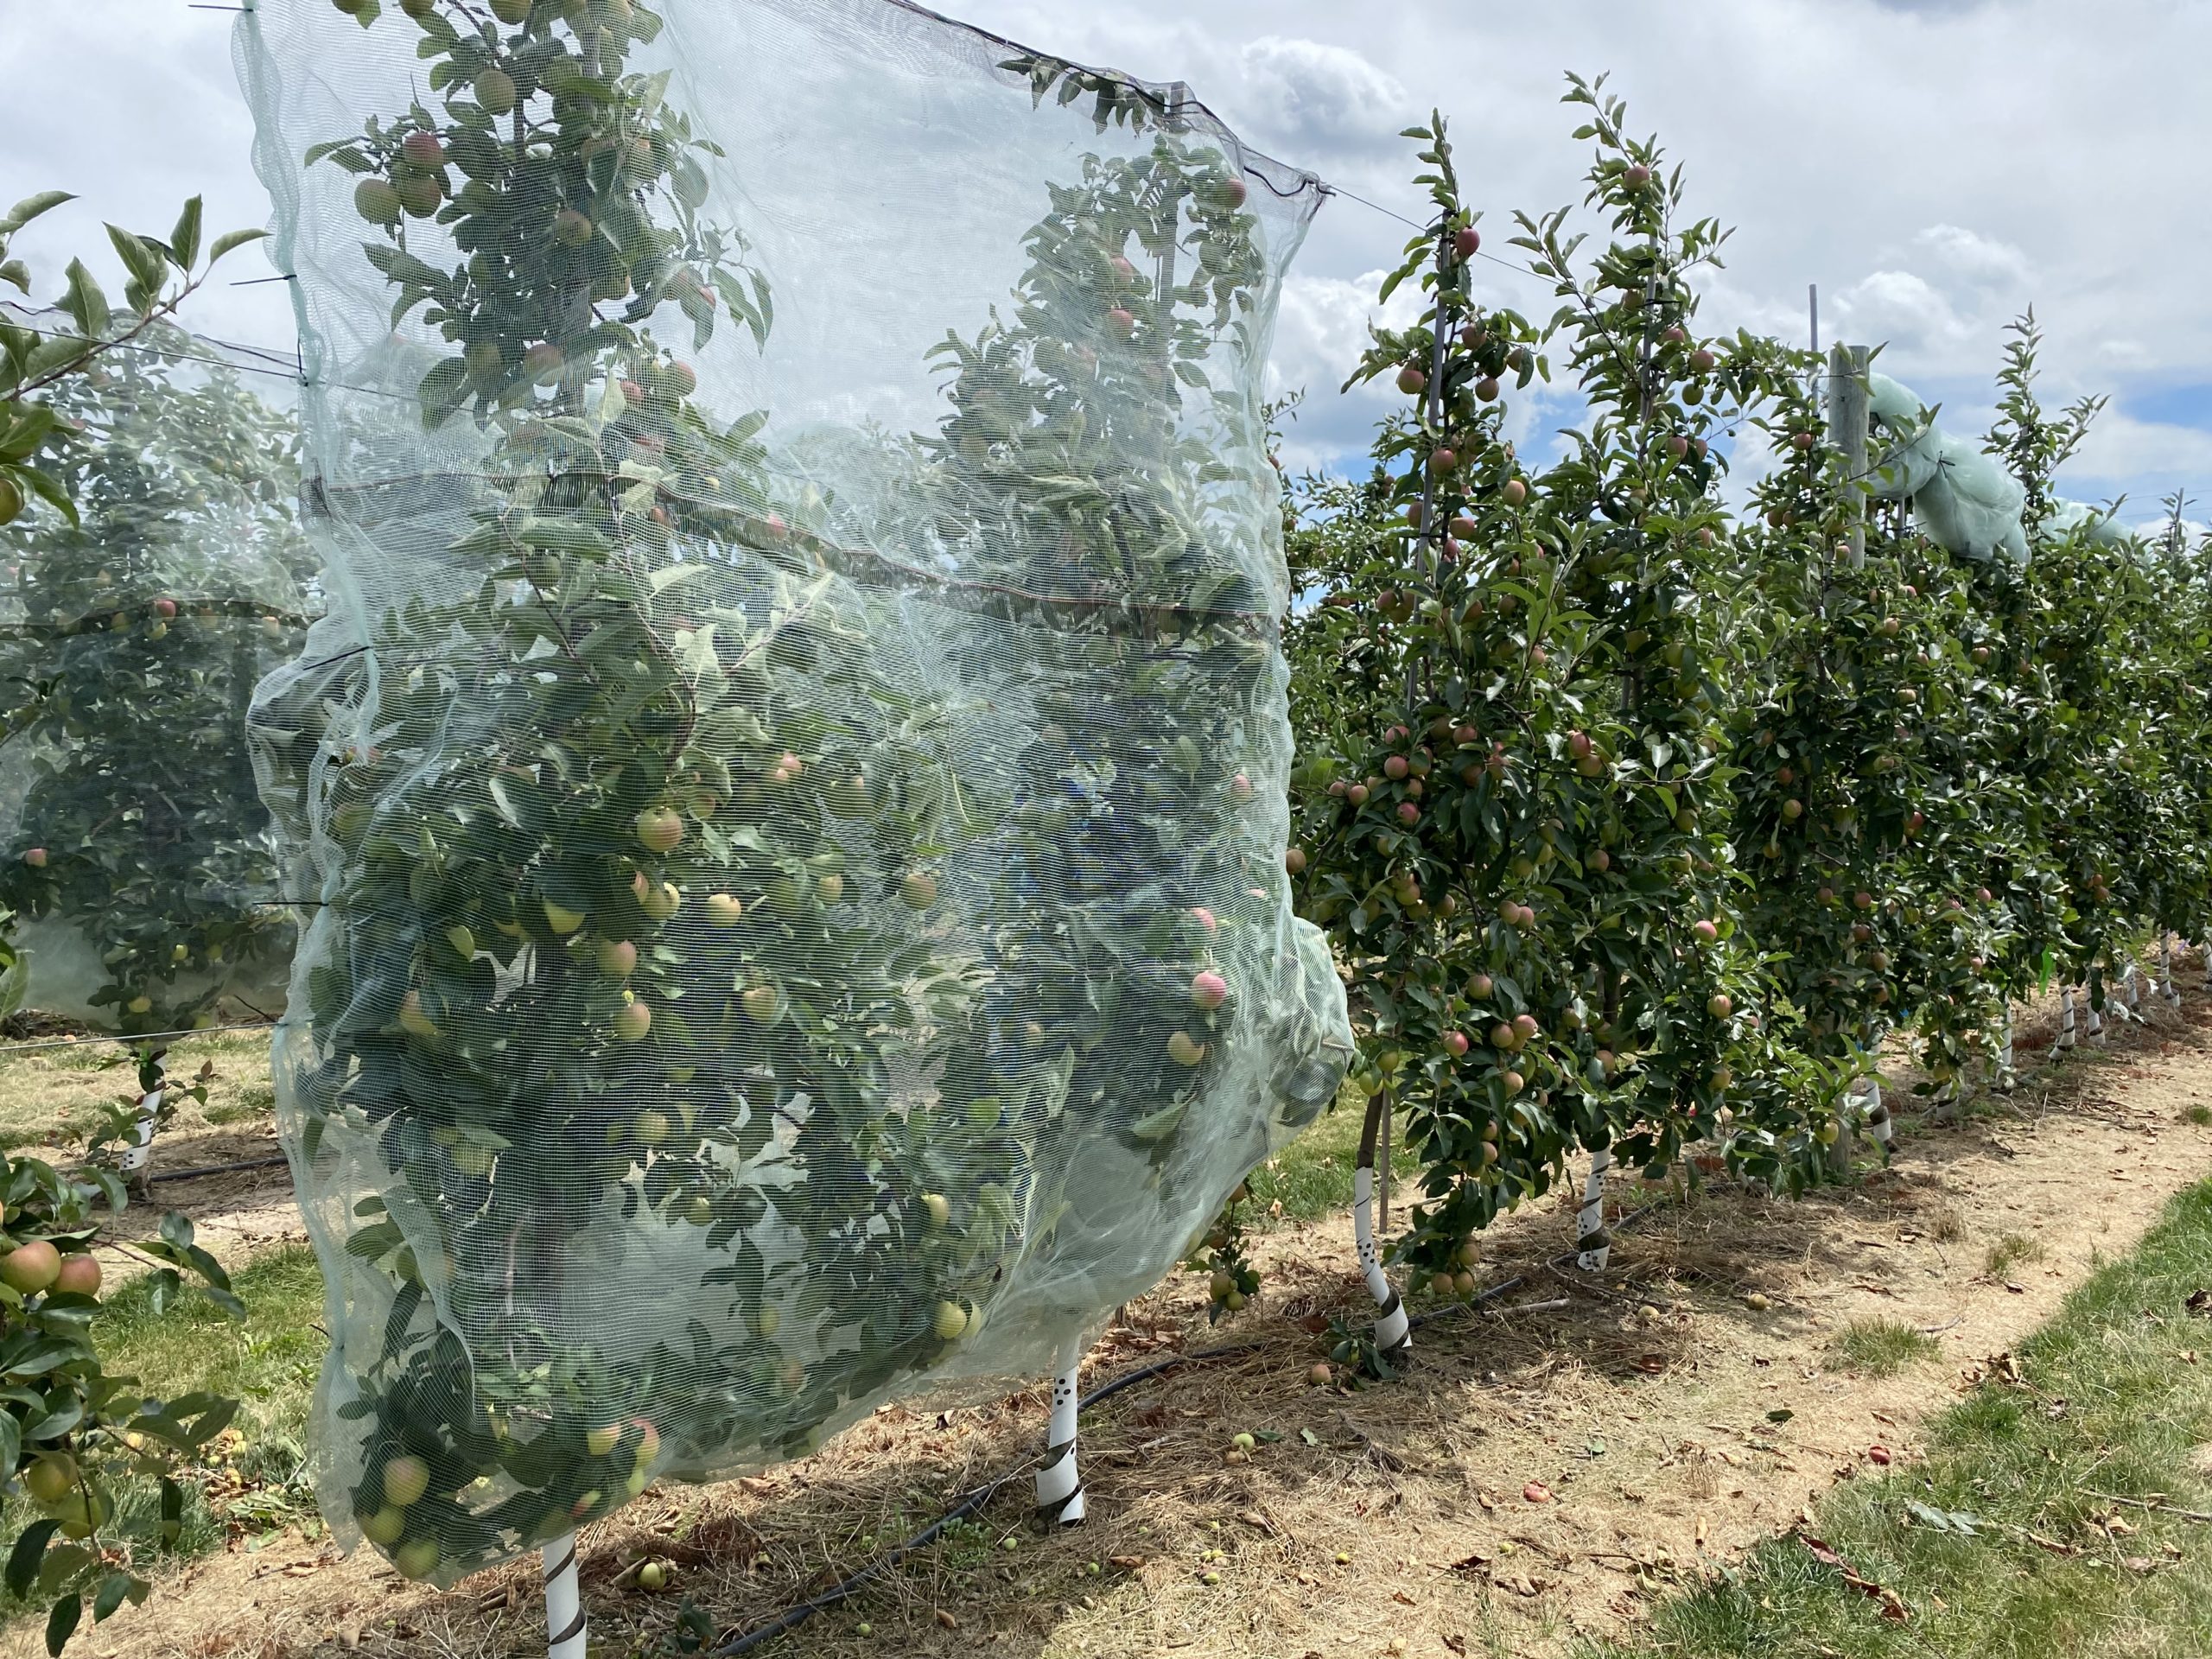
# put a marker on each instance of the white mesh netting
(794, 774)
(140, 865)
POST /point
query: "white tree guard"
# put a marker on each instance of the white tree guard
(1393, 1330)
(1059, 1485)
(565, 1635)
(1594, 1244)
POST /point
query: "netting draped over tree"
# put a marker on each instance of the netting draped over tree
(794, 776)
(141, 869)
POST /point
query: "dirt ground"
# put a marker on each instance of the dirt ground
(1553, 1463)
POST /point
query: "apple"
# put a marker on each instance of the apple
(1637, 176)
(1524, 1029)
(1455, 1043)
(1413, 378)
(1720, 1006)
(1204, 917)
(599, 1441)
(82, 1513)
(79, 1275)
(724, 909)
(1122, 321)
(1479, 986)
(1444, 459)
(35, 857)
(1356, 794)
(658, 900)
(617, 957)
(949, 1321)
(1513, 1081)
(419, 1557)
(49, 1477)
(422, 149)
(1601, 860)
(462, 938)
(420, 194)
(1240, 789)
(1486, 388)
(1293, 860)
(1409, 814)
(542, 362)
(1501, 1036)
(659, 830)
(383, 1528)
(1863, 901)
(1793, 809)
(1514, 492)
(1702, 361)
(1705, 932)
(1184, 1049)
(1395, 767)
(651, 1576)
(936, 1207)
(406, 1478)
(1208, 990)
(413, 1021)
(919, 889)
(761, 1003)
(495, 92)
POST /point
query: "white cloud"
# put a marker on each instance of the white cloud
(1321, 95)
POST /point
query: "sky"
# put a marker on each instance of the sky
(1935, 166)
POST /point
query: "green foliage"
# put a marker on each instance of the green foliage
(1883, 1347)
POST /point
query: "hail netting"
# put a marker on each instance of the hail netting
(138, 861)
(795, 780)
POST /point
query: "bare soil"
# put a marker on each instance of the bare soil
(1553, 1463)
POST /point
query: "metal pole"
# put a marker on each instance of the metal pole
(1848, 430)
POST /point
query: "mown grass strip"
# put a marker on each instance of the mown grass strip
(2064, 1508)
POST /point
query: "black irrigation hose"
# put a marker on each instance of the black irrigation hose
(269, 1162)
(792, 1618)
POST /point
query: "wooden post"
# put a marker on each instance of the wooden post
(1848, 366)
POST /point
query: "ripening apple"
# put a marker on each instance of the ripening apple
(1637, 176)
(1293, 860)
(1455, 1043)
(1524, 1029)
(659, 830)
(1513, 1081)
(542, 362)
(761, 1003)
(50, 1475)
(1702, 361)
(1705, 932)
(660, 900)
(617, 957)
(79, 1275)
(1395, 767)
(1240, 789)
(412, 1020)
(1486, 388)
(35, 857)
(1479, 986)
(495, 92)
(406, 1478)
(1501, 1036)
(919, 889)
(1514, 492)
(1793, 809)
(1184, 1049)
(1864, 900)
(1409, 814)
(1720, 1006)
(1208, 990)
(1204, 917)
(1356, 793)
(1122, 321)
(422, 149)
(724, 909)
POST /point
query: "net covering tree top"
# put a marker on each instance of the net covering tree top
(794, 778)
(139, 880)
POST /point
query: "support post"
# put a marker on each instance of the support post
(1594, 1244)
(2064, 1045)
(138, 1155)
(565, 1633)
(1393, 1330)
(1059, 1487)
(2166, 971)
(2007, 1077)
(1848, 430)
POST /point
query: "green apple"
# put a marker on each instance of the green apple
(919, 889)
(659, 830)
(949, 1321)
(651, 1128)
(561, 919)
(762, 1003)
(406, 1478)
(417, 1558)
(1184, 1049)
(495, 92)
(724, 909)
(936, 1208)
(599, 1441)
(384, 1528)
(31, 1268)
(49, 1478)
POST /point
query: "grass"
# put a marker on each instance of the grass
(2010, 1250)
(1883, 1347)
(2199, 1115)
(52, 1091)
(1312, 1177)
(2057, 1514)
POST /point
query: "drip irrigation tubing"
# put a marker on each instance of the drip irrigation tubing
(269, 1162)
(792, 1618)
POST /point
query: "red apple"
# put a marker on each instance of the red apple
(35, 857)
(1467, 242)
(1208, 990)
